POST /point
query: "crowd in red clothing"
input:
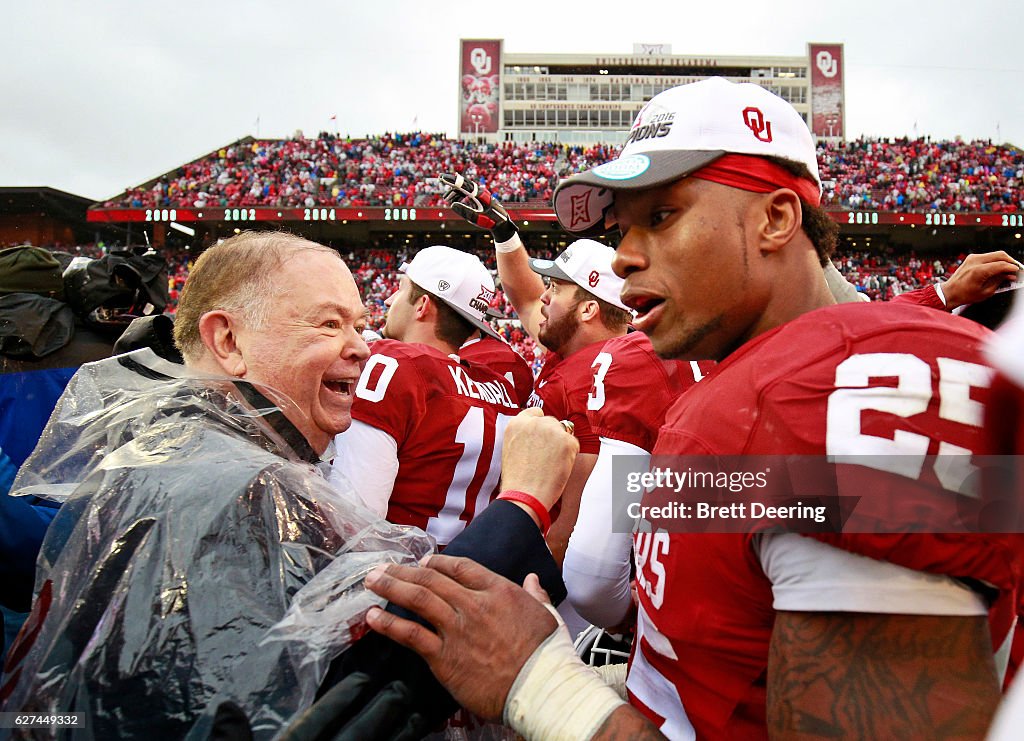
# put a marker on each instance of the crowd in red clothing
(401, 170)
(389, 170)
(922, 175)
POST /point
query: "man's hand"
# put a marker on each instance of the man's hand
(537, 456)
(487, 627)
(978, 277)
(475, 204)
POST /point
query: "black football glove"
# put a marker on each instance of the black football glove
(350, 711)
(475, 204)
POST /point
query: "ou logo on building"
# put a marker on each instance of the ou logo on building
(481, 61)
(827, 63)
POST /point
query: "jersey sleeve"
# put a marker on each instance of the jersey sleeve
(562, 403)
(632, 388)
(366, 461)
(522, 380)
(597, 564)
(914, 392)
(928, 296)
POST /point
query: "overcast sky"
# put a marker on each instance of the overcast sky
(100, 96)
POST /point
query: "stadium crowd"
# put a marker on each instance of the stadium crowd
(881, 275)
(389, 170)
(921, 175)
(398, 170)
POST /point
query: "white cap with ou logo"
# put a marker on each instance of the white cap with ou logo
(678, 132)
(588, 264)
(457, 278)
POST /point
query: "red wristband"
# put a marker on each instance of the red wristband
(533, 503)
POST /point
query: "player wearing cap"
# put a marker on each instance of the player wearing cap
(716, 195)
(424, 448)
(572, 317)
(632, 389)
(578, 312)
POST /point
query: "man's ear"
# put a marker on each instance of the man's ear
(589, 310)
(423, 307)
(780, 218)
(219, 332)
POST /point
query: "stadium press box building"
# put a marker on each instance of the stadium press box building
(589, 99)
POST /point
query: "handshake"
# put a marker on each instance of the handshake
(475, 204)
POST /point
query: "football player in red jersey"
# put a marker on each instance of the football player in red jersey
(424, 448)
(631, 391)
(571, 317)
(500, 357)
(716, 197)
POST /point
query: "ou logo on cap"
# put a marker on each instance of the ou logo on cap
(754, 120)
(594, 278)
(443, 285)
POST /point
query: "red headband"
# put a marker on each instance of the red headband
(758, 175)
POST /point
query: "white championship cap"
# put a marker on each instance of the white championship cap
(457, 278)
(678, 132)
(588, 264)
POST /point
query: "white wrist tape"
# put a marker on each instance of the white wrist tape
(556, 696)
(614, 675)
(510, 246)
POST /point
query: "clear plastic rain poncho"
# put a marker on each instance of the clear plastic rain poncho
(199, 556)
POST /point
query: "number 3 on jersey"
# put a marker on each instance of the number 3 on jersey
(596, 399)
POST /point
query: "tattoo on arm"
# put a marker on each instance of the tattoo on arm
(850, 675)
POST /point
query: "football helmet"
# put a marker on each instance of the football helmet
(597, 647)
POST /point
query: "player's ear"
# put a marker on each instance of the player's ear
(589, 310)
(780, 217)
(219, 331)
(423, 306)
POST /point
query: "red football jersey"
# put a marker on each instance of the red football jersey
(449, 420)
(1004, 425)
(633, 388)
(503, 360)
(562, 388)
(855, 378)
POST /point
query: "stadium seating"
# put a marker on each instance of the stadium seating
(921, 175)
(390, 170)
(399, 169)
